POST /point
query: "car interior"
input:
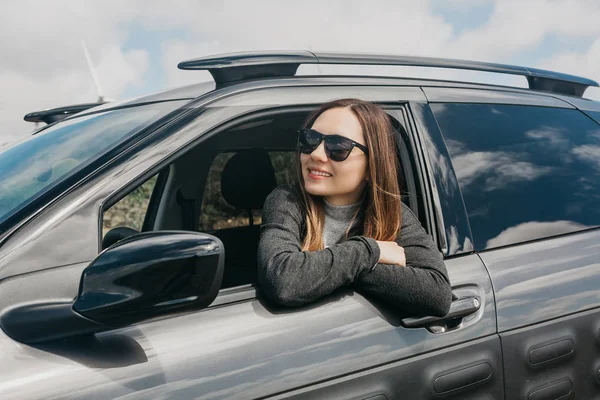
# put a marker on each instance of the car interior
(220, 186)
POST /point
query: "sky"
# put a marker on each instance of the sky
(135, 45)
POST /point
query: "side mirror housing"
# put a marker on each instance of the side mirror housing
(151, 274)
(139, 278)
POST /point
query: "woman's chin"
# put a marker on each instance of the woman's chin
(316, 189)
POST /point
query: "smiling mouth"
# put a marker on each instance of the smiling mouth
(319, 173)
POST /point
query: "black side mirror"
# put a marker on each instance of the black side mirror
(150, 274)
(141, 277)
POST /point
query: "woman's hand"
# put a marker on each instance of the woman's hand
(391, 253)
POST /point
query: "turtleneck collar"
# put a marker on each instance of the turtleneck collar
(340, 213)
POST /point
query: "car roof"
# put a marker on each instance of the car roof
(275, 68)
(201, 90)
(238, 71)
(537, 96)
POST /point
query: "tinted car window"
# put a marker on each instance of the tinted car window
(33, 165)
(524, 172)
(595, 115)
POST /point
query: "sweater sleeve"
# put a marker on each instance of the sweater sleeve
(289, 276)
(422, 287)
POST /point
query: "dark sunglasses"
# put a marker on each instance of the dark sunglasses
(337, 147)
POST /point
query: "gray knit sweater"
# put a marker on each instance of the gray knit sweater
(289, 276)
(337, 222)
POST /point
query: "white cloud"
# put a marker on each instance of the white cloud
(588, 153)
(516, 171)
(468, 3)
(43, 64)
(177, 51)
(517, 25)
(499, 168)
(553, 136)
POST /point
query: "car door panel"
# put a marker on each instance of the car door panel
(439, 374)
(246, 350)
(561, 357)
(470, 368)
(548, 314)
(547, 279)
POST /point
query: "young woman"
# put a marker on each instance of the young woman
(344, 223)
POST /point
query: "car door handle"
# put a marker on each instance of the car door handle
(458, 309)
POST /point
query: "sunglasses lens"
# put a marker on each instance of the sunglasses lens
(338, 148)
(308, 141)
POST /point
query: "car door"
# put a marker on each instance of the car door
(530, 177)
(343, 346)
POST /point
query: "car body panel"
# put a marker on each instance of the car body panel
(247, 348)
(559, 356)
(545, 279)
(424, 377)
(242, 350)
(458, 95)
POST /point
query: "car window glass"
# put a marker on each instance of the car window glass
(30, 167)
(216, 213)
(595, 115)
(524, 172)
(131, 210)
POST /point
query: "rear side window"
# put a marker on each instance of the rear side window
(525, 172)
(595, 115)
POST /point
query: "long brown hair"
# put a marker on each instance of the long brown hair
(381, 200)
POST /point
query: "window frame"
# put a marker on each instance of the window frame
(448, 219)
(154, 193)
(157, 192)
(155, 200)
(402, 113)
(265, 109)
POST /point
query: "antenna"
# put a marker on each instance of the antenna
(92, 71)
(318, 66)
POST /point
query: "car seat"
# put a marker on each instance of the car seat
(247, 180)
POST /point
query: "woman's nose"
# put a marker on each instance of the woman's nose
(319, 154)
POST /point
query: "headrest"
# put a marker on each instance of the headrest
(248, 178)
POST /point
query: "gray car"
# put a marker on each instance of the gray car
(128, 238)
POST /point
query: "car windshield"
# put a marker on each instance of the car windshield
(31, 166)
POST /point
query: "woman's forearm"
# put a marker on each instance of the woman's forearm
(291, 277)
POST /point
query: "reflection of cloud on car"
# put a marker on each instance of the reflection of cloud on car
(533, 230)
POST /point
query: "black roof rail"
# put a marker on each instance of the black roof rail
(56, 114)
(232, 67)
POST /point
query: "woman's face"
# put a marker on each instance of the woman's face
(343, 182)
